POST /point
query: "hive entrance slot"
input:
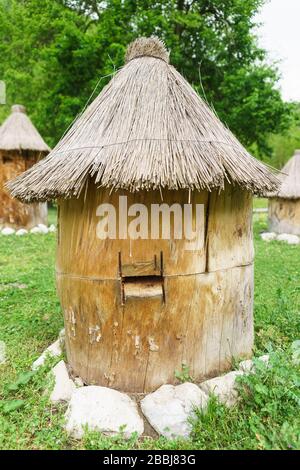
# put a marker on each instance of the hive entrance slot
(143, 286)
(142, 279)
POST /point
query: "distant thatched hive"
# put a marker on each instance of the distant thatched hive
(21, 146)
(137, 309)
(284, 206)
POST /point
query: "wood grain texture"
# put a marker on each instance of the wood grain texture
(81, 252)
(139, 346)
(202, 319)
(14, 213)
(230, 229)
(284, 216)
(144, 268)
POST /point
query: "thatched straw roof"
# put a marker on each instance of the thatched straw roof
(18, 133)
(290, 177)
(149, 129)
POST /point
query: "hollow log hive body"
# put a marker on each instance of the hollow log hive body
(14, 213)
(284, 215)
(136, 310)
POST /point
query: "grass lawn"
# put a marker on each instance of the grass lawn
(52, 215)
(267, 417)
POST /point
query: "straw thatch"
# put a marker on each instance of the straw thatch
(290, 188)
(147, 129)
(18, 133)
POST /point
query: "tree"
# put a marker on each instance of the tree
(283, 145)
(49, 62)
(68, 45)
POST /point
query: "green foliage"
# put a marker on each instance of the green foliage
(184, 374)
(54, 53)
(266, 416)
(94, 440)
(284, 144)
(23, 379)
(11, 405)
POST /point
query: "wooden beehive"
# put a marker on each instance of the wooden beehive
(21, 147)
(137, 309)
(284, 206)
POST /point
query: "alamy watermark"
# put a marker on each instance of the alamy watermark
(160, 221)
(2, 92)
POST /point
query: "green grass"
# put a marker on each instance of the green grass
(266, 418)
(52, 215)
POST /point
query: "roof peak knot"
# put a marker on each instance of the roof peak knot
(18, 108)
(149, 47)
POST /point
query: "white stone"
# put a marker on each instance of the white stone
(104, 410)
(248, 365)
(2, 352)
(43, 228)
(288, 238)
(296, 352)
(268, 236)
(53, 350)
(52, 228)
(63, 385)
(36, 230)
(62, 338)
(265, 358)
(21, 232)
(169, 408)
(224, 387)
(8, 231)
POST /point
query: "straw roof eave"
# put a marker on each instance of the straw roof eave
(148, 129)
(18, 134)
(41, 184)
(290, 180)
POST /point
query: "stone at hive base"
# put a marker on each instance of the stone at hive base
(169, 408)
(8, 231)
(2, 352)
(43, 228)
(104, 410)
(288, 238)
(63, 385)
(53, 350)
(224, 387)
(21, 232)
(268, 236)
(248, 365)
(36, 230)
